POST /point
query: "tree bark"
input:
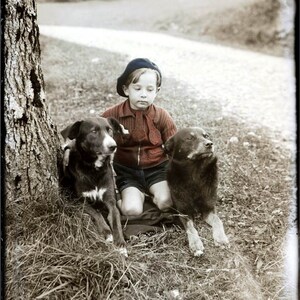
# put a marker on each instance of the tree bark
(31, 140)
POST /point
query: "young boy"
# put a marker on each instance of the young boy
(140, 162)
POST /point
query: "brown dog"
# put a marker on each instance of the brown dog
(192, 178)
(91, 174)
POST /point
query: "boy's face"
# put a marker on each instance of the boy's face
(142, 93)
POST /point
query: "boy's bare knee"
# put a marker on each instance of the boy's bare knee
(131, 211)
(132, 202)
(162, 197)
(163, 203)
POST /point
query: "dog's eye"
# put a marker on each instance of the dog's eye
(191, 137)
(109, 130)
(206, 135)
(93, 131)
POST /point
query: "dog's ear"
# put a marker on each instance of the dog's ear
(169, 146)
(71, 131)
(117, 127)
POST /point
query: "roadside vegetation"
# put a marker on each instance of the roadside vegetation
(53, 248)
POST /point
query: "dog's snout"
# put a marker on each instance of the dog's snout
(208, 144)
(112, 148)
(109, 144)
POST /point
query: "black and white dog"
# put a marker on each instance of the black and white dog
(91, 174)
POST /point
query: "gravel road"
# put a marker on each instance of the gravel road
(255, 87)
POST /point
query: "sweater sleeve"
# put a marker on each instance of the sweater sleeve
(167, 125)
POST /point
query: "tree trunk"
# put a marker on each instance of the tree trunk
(31, 140)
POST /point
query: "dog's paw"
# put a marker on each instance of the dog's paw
(196, 246)
(109, 238)
(123, 251)
(221, 240)
(198, 253)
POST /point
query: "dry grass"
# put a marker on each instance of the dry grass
(56, 254)
(53, 251)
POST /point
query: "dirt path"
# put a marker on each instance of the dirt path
(128, 14)
(254, 87)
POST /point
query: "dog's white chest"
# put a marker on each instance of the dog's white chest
(96, 194)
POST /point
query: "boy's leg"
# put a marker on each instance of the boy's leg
(128, 182)
(162, 197)
(132, 202)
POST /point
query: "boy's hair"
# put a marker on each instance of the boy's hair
(136, 74)
(138, 63)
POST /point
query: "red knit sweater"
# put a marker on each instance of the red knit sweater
(136, 150)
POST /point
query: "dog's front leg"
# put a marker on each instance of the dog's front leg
(219, 235)
(102, 227)
(114, 220)
(195, 243)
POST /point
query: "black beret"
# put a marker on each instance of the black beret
(135, 64)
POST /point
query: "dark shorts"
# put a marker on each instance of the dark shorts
(142, 179)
